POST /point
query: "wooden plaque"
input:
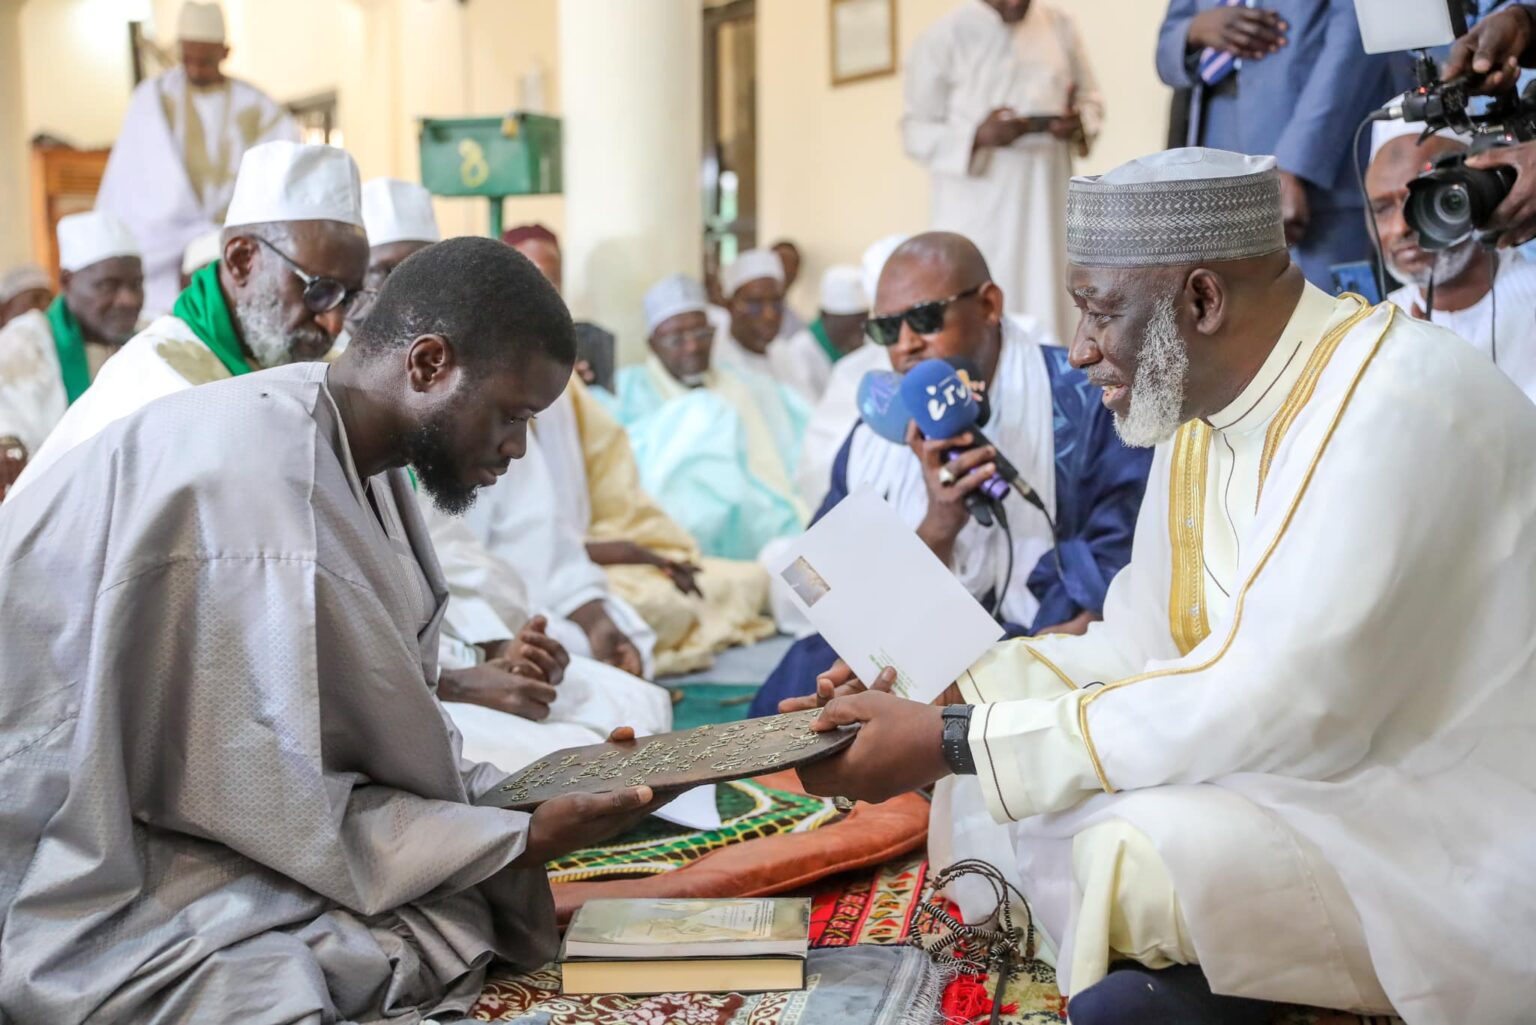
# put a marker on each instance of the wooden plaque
(670, 763)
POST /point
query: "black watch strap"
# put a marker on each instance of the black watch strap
(957, 743)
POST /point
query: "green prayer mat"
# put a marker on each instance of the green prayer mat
(748, 810)
(710, 704)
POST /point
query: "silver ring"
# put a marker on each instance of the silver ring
(946, 476)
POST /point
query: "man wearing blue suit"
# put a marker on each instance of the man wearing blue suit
(1291, 79)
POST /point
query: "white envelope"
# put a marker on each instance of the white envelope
(881, 598)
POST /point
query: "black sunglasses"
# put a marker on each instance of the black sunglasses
(321, 295)
(924, 318)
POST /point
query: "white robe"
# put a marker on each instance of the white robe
(1010, 201)
(784, 411)
(488, 602)
(231, 794)
(518, 521)
(149, 186)
(32, 395)
(1311, 690)
(834, 416)
(1511, 343)
(164, 358)
(801, 363)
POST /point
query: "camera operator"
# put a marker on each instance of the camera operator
(1484, 297)
(1491, 55)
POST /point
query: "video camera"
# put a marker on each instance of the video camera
(1450, 201)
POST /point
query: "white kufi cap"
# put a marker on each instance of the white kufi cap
(295, 181)
(1177, 207)
(200, 23)
(397, 211)
(91, 237)
(22, 278)
(201, 251)
(672, 296)
(751, 266)
(842, 290)
(872, 263)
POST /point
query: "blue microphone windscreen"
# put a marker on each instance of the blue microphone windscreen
(880, 405)
(971, 374)
(938, 399)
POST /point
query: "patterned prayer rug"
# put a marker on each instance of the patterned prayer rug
(866, 907)
(873, 907)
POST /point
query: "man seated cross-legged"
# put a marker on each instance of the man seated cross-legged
(1296, 762)
(232, 794)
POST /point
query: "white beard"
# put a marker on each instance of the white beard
(261, 324)
(1157, 390)
(1448, 266)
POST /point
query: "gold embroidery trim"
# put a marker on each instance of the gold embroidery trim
(1186, 530)
(194, 361)
(1187, 618)
(1301, 391)
(1052, 666)
(1242, 594)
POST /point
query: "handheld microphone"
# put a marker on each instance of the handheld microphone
(943, 406)
(970, 373)
(881, 407)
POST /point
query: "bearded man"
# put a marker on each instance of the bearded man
(294, 256)
(1484, 295)
(1296, 761)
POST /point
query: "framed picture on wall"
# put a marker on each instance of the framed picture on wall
(863, 39)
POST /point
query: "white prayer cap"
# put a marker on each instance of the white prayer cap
(842, 290)
(200, 23)
(295, 181)
(92, 237)
(672, 296)
(873, 261)
(1180, 206)
(1383, 132)
(750, 266)
(201, 251)
(22, 278)
(397, 211)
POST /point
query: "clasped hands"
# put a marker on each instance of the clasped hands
(520, 678)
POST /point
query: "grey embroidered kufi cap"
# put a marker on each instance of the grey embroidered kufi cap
(1181, 206)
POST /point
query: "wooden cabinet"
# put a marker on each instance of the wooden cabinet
(64, 182)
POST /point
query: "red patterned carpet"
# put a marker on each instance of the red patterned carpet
(876, 907)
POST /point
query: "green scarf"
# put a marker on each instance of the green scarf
(204, 310)
(70, 341)
(819, 332)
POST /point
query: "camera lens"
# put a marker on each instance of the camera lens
(1452, 205)
(1447, 204)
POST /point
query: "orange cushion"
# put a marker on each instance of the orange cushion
(868, 835)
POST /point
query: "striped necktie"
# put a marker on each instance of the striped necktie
(1217, 64)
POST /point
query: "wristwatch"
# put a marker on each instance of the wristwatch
(957, 744)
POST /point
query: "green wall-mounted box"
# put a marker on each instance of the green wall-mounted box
(516, 155)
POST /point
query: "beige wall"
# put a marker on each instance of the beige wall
(833, 175)
(76, 69)
(15, 231)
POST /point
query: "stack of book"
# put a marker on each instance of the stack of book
(637, 947)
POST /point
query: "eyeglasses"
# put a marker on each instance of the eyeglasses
(698, 336)
(321, 295)
(924, 318)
